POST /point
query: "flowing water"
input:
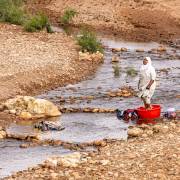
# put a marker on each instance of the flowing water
(86, 127)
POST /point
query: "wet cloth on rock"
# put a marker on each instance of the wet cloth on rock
(49, 126)
(147, 73)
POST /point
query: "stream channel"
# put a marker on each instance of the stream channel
(87, 127)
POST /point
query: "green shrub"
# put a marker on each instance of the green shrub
(89, 42)
(131, 72)
(36, 23)
(11, 11)
(68, 16)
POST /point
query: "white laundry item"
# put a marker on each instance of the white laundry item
(147, 73)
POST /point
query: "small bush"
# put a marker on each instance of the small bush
(68, 16)
(11, 11)
(88, 42)
(36, 23)
(131, 72)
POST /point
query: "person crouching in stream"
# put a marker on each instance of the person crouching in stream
(147, 82)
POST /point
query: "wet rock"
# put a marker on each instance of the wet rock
(24, 146)
(28, 107)
(100, 143)
(95, 57)
(115, 59)
(123, 49)
(116, 49)
(22, 137)
(135, 132)
(139, 50)
(161, 49)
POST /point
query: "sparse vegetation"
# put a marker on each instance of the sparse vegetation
(68, 16)
(11, 11)
(89, 42)
(36, 23)
(131, 72)
(49, 28)
(116, 71)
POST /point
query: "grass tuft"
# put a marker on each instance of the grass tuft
(36, 23)
(89, 42)
(11, 11)
(68, 16)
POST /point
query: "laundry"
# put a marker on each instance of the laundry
(127, 115)
(170, 113)
(49, 126)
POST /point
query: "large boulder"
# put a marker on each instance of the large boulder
(42, 106)
(28, 107)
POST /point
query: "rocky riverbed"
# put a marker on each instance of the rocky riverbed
(153, 154)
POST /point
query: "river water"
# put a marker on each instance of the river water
(86, 127)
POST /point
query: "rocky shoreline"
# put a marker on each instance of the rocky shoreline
(152, 154)
(52, 61)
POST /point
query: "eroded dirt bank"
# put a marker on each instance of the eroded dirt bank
(153, 156)
(35, 62)
(133, 19)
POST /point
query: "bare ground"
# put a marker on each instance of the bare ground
(156, 156)
(35, 62)
(142, 20)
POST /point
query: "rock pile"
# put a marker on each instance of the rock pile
(123, 49)
(124, 92)
(95, 57)
(149, 130)
(27, 107)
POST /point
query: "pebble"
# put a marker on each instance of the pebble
(135, 132)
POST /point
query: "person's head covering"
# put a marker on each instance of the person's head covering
(148, 66)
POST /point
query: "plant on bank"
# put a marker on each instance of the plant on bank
(68, 16)
(89, 42)
(36, 23)
(11, 11)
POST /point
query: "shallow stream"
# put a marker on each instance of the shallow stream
(86, 127)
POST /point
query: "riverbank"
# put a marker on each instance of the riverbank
(140, 20)
(154, 156)
(34, 62)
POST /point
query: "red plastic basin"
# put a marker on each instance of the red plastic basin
(153, 113)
